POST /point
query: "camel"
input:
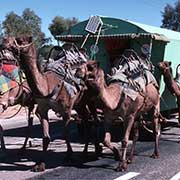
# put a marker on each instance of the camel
(166, 70)
(49, 90)
(21, 94)
(114, 103)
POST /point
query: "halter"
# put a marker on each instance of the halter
(22, 46)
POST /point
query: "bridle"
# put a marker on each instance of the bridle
(22, 46)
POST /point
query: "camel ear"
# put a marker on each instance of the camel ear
(170, 63)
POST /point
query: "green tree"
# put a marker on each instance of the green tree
(13, 25)
(57, 26)
(71, 22)
(171, 17)
(60, 24)
(27, 24)
(33, 26)
(1, 33)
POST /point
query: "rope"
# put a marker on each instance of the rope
(22, 46)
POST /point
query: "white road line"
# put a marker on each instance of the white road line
(176, 177)
(127, 176)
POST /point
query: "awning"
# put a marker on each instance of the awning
(74, 38)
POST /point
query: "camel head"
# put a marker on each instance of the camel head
(164, 66)
(94, 77)
(17, 45)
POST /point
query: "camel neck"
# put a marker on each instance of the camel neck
(36, 80)
(171, 83)
(110, 96)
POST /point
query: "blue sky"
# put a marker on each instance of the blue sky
(143, 11)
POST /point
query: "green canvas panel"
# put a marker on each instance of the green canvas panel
(161, 48)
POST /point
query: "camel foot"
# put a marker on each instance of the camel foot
(122, 166)
(155, 156)
(130, 160)
(39, 167)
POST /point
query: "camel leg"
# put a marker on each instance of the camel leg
(98, 148)
(107, 139)
(66, 120)
(43, 116)
(2, 139)
(178, 104)
(46, 136)
(86, 137)
(30, 125)
(135, 138)
(155, 132)
(128, 126)
(83, 113)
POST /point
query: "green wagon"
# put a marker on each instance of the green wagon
(116, 35)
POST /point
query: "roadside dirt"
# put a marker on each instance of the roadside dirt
(11, 111)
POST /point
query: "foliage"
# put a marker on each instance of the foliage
(171, 17)
(1, 33)
(59, 25)
(71, 22)
(27, 24)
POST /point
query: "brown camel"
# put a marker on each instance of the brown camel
(21, 94)
(48, 89)
(115, 103)
(166, 70)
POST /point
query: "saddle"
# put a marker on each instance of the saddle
(132, 74)
(64, 64)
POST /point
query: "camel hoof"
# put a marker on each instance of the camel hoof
(122, 167)
(130, 160)
(39, 167)
(154, 156)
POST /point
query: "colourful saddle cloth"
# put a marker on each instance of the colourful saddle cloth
(9, 77)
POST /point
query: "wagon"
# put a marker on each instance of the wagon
(116, 35)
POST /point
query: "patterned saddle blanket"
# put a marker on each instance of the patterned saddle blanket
(9, 77)
(65, 64)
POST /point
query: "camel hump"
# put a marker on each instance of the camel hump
(68, 54)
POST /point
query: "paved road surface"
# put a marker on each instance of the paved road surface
(14, 165)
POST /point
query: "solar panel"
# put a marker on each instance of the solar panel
(93, 24)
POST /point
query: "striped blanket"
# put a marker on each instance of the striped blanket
(9, 77)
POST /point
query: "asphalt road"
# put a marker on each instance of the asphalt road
(17, 165)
